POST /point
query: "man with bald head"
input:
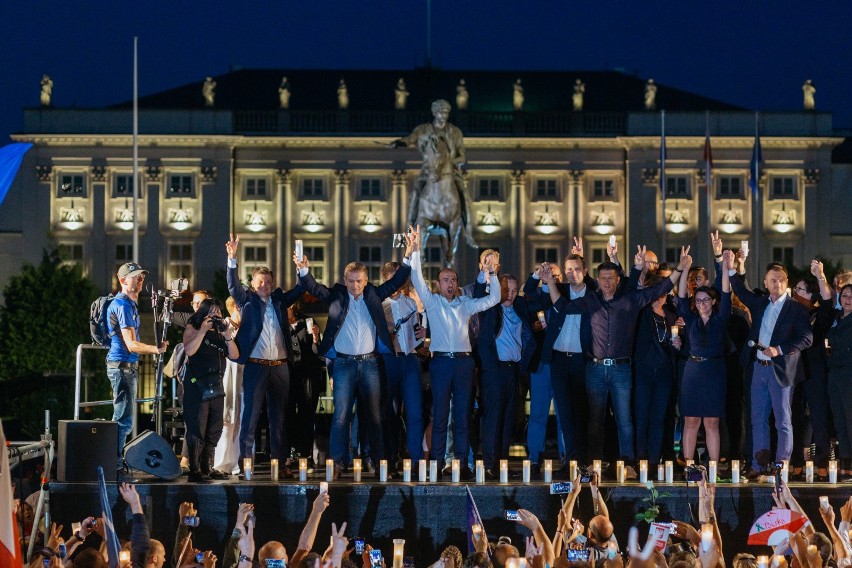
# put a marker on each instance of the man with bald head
(272, 550)
(156, 556)
(599, 533)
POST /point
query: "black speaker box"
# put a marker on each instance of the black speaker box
(83, 446)
(151, 453)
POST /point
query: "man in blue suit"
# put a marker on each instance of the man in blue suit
(781, 330)
(355, 336)
(264, 342)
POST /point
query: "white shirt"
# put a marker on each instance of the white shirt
(448, 319)
(568, 340)
(767, 324)
(357, 334)
(395, 311)
(270, 344)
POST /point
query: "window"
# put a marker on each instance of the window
(546, 254)
(123, 253)
(783, 188)
(599, 255)
(672, 256)
(72, 185)
(730, 187)
(603, 189)
(316, 255)
(370, 189)
(547, 189)
(433, 262)
(783, 255)
(677, 187)
(313, 188)
(71, 254)
(123, 186)
(179, 263)
(253, 256)
(180, 185)
(490, 189)
(256, 188)
(371, 257)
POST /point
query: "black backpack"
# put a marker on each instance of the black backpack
(98, 324)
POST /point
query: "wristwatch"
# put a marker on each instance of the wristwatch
(243, 558)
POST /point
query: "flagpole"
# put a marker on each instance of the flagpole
(758, 210)
(663, 180)
(135, 152)
(708, 179)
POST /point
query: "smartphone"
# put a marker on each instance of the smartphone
(578, 555)
(408, 562)
(560, 488)
(512, 515)
(823, 503)
(586, 476)
(375, 558)
(275, 563)
(359, 545)
(192, 521)
(61, 550)
(199, 558)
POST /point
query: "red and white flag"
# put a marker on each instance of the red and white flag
(10, 551)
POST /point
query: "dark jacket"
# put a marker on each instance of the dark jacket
(491, 324)
(252, 309)
(839, 336)
(792, 331)
(337, 300)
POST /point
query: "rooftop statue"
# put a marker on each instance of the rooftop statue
(284, 94)
(518, 96)
(650, 95)
(46, 90)
(462, 96)
(808, 90)
(208, 91)
(577, 98)
(400, 94)
(342, 95)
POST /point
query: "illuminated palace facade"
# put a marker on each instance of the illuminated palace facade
(321, 173)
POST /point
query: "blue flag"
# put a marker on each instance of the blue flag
(473, 518)
(10, 160)
(754, 166)
(109, 528)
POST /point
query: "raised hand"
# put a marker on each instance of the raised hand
(545, 273)
(130, 496)
(412, 239)
(639, 259)
(321, 502)
(243, 512)
(187, 509)
(716, 242)
(232, 246)
(301, 262)
(246, 540)
(54, 539)
(728, 260)
(817, 269)
(338, 542)
(612, 250)
(578, 246)
(209, 559)
(685, 259)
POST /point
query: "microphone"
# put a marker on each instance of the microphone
(756, 344)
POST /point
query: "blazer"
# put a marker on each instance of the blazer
(491, 324)
(792, 331)
(337, 300)
(252, 309)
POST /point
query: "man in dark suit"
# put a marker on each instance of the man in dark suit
(355, 336)
(781, 330)
(264, 342)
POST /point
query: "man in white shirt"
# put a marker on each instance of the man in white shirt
(451, 368)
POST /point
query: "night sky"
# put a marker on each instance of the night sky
(755, 56)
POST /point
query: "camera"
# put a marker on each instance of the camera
(586, 475)
(694, 473)
(219, 324)
(512, 515)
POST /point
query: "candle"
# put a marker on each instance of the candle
(661, 472)
(356, 470)
(433, 471)
(323, 488)
(832, 471)
(329, 470)
(406, 471)
(247, 468)
(309, 326)
(421, 473)
(823, 503)
(398, 550)
(548, 471)
(572, 469)
(273, 469)
(669, 471)
(512, 562)
(735, 471)
(619, 471)
(124, 558)
(423, 321)
(762, 562)
(383, 471)
(711, 472)
(456, 468)
(299, 249)
(706, 536)
(675, 331)
(541, 318)
(785, 470)
(480, 471)
(744, 247)
(526, 471)
(809, 471)
(596, 466)
(643, 471)
(477, 531)
(303, 469)
(779, 560)
(504, 471)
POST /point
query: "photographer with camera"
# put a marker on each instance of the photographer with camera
(208, 340)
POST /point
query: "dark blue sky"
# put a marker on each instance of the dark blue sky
(756, 55)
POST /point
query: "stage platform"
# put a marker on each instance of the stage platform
(428, 516)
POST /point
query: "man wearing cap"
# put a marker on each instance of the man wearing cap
(124, 349)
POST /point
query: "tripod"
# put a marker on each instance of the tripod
(163, 316)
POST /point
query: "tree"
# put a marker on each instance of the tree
(45, 317)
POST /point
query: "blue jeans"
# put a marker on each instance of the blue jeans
(766, 395)
(568, 378)
(404, 389)
(614, 381)
(451, 378)
(351, 375)
(123, 381)
(500, 397)
(541, 395)
(654, 382)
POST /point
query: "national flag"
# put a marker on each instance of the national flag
(756, 160)
(473, 518)
(10, 551)
(10, 160)
(663, 153)
(112, 545)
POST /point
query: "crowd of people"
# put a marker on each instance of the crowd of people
(666, 351)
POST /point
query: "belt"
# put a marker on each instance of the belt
(763, 363)
(610, 362)
(364, 357)
(267, 362)
(565, 353)
(451, 354)
(508, 363)
(123, 364)
(697, 359)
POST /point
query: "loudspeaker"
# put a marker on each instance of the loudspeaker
(151, 453)
(83, 446)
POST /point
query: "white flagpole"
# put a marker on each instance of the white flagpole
(135, 152)
(708, 176)
(663, 252)
(758, 209)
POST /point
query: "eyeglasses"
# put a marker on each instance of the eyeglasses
(703, 300)
(652, 262)
(802, 289)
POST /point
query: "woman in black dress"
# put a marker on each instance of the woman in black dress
(704, 376)
(207, 340)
